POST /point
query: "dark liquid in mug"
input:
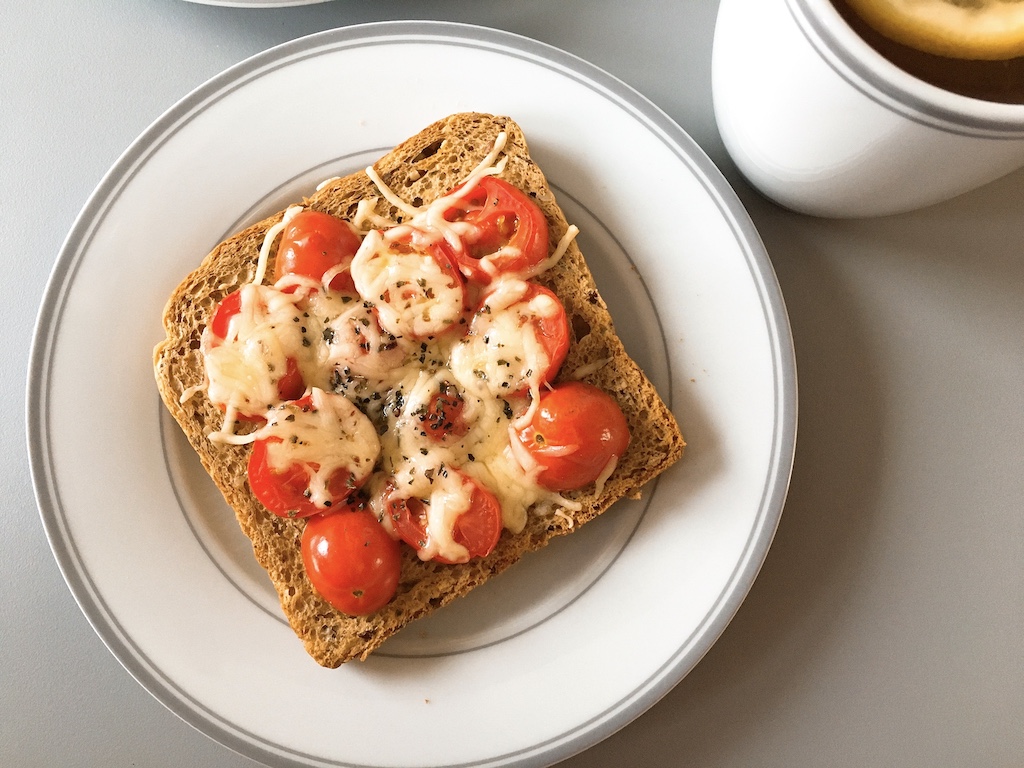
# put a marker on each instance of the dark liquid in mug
(1001, 81)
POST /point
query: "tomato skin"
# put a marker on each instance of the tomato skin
(477, 529)
(502, 215)
(290, 386)
(313, 243)
(576, 430)
(443, 414)
(351, 560)
(228, 307)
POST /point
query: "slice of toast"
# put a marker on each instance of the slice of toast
(421, 169)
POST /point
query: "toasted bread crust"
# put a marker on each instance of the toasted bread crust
(420, 169)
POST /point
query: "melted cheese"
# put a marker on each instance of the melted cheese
(413, 295)
(329, 435)
(244, 368)
(414, 458)
(449, 498)
(354, 342)
(501, 354)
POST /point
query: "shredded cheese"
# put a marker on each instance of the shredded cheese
(501, 354)
(192, 391)
(330, 434)
(605, 474)
(389, 195)
(590, 368)
(268, 243)
(374, 363)
(556, 255)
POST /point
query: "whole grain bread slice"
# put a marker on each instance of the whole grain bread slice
(420, 170)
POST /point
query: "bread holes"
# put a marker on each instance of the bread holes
(580, 327)
(428, 151)
(194, 342)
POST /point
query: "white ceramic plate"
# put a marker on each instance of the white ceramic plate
(574, 642)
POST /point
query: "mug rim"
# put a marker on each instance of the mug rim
(878, 78)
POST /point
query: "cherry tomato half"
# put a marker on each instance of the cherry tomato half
(495, 347)
(313, 243)
(502, 217)
(290, 385)
(413, 282)
(443, 415)
(286, 493)
(576, 430)
(351, 560)
(477, 529)
(291, 491)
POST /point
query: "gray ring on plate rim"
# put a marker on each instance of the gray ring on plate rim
(890, 94)
(582, 735)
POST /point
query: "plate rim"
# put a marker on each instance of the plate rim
(256, 3)
(776, 483)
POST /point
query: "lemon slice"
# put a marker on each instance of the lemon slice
(960, 29)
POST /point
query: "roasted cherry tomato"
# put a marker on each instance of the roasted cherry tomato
(289, 387)
(313, 243)
(289, 492)
(477, 529)
(413, 282)
(351, 560)
(443, 415)
(509, 231)
(576, 430)
(286, 493)
(495, 350)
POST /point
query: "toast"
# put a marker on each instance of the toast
(420, 169)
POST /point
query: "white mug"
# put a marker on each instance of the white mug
(822, 124)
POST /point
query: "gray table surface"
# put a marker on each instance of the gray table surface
(886, 626)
